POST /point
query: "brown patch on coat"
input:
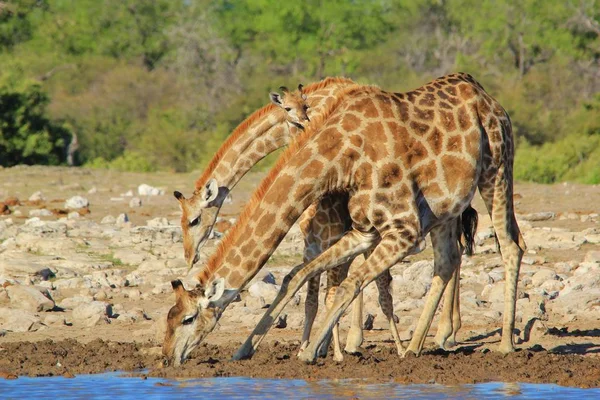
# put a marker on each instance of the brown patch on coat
(464, 120)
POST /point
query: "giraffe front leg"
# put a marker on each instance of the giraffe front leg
(446, 259)
(392, 248)
(355, 335)
(446, 328)
(349, 246)
(311, 306)
(386, 303)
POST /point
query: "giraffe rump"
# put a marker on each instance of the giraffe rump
(243, 127)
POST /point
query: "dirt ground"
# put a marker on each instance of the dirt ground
(568, 354)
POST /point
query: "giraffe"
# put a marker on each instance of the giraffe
(324, 223)
(416, 174)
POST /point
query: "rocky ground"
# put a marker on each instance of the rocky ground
(86, 258)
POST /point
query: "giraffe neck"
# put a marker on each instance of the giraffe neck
(259, 135)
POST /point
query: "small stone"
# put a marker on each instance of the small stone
(281, 322)
(42, 212)
(12, 201)
(37, 196)
(93, 190)
(592, 256)
(157, 222)
(122, 219)
(29, 298)
(90, 314)
(108, 220)
(539, 216)
(73, 215)
(129, 193)
(147, 190)
(19, 320)
(76, 202)
(135, 202)
(4, 210)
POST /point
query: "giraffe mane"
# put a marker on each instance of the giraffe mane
(243, 127)
(311, 129)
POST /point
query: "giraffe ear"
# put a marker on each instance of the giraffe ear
(211, 190)
(178, 195)
(178, 288)
(216, 290)
(275, 98)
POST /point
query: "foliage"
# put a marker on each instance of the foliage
(158, 85)
(26, 134)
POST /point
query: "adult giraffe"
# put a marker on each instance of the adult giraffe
(410, 163)
(265, 131)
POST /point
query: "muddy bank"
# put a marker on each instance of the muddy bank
(378, 363)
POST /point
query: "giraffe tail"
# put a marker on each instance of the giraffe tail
(469, 219)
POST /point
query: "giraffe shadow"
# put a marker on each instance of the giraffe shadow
(576, 348)
(485, 335)
(564, 332)
(459, 349)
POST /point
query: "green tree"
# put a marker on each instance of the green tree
(27, 136)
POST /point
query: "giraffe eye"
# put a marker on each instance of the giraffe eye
(188, 320)
(288, 109)
(195, 221)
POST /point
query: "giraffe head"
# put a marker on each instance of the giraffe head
(193, 316)
(294, 104)
(198, 216)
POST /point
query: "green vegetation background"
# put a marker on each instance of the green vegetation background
(151, 85)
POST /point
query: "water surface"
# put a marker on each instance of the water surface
(114, 385)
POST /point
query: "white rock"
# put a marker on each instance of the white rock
(37, 196)
(157, 222)
(592, 256)
(265, 290)
(19, 320)
(543, 275)
(71, 303)
(122, 219)
(420, 271)
(93, 190)
(76, 202)
(108, 220)
(91, 314)
(147, 190)
(73, 215)
(129, 193)
(539, 216)
(42, 212)
(29, 298)
(135, 202)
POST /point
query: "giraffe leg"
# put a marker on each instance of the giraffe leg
(386, 303)
(354, 339)
(512, 246)
(446, 326)
(446, 259)
(392, 248)
(311, 306)
(355, 334)
(334, 278)
(351, 244)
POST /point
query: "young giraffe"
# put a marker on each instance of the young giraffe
(415, 174)
(263, 132)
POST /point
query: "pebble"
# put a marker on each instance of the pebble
(76, 202)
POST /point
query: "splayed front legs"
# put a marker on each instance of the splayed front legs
(348, 247)
(392, 248)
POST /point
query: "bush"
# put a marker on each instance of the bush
(576, 157)
(27, 135)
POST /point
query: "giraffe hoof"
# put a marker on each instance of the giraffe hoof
(409, 354)
(338, 358)
(307, 357)
(242, 354)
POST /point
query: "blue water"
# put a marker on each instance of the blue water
(112, 386)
